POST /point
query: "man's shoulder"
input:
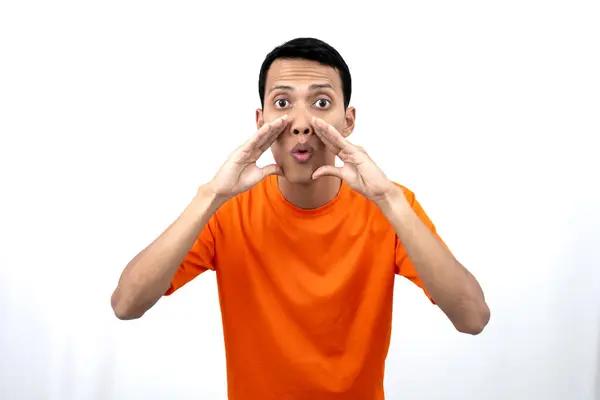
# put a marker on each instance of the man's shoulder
(255, 197)
(246, 202)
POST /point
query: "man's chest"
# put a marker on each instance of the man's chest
(309, 284)
(306, 259)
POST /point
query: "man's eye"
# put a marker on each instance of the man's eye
(281, 103)
(322, 103)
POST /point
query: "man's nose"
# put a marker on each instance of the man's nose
(302, 128)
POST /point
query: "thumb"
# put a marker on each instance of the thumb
(327, 170)
(271, 169)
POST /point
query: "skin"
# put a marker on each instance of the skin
(304, 105)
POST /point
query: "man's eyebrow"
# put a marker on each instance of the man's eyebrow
(281, 87)
(318, 86)
(314, 86)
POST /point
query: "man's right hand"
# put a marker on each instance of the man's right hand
(240, 172)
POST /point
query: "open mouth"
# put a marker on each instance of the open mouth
(302, 155)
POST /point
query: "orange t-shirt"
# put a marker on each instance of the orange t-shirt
(305, 295)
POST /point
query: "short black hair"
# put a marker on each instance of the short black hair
(308, 49)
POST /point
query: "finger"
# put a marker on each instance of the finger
(331, 137)
(271, 169)
(262, 135)
(320, 132)
(327, 170)
(273, 131)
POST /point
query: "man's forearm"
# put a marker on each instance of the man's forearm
(149, 274)
(454, 289)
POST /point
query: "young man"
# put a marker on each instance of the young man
(305, 252)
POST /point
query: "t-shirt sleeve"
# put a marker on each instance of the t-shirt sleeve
(200, 258)
(404, 265)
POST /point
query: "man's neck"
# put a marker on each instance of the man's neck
(310, 195)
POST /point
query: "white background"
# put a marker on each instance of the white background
(112, 113)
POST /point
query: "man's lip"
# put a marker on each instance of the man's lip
(302, 148)
(302, 157)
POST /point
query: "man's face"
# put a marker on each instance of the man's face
(303, 89)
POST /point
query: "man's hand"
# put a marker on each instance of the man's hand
(358, 171)
(240, 172)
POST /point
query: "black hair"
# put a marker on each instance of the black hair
(307, 49)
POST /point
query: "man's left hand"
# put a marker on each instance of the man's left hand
(359, 171)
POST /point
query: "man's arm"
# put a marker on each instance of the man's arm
(148, 276)
(449, 284)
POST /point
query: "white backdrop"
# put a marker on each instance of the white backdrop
(112, 114)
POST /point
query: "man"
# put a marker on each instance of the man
(305, 252)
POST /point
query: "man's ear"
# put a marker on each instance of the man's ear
(259, 118)
(350, 121)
